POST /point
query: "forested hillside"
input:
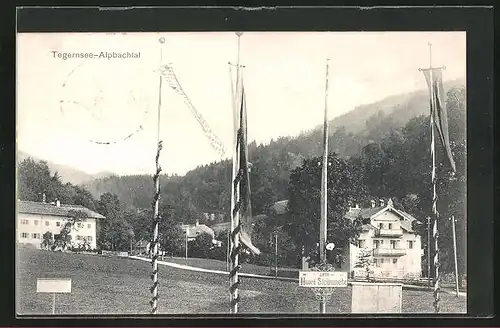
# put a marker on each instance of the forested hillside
(206, 188)
(385, 159)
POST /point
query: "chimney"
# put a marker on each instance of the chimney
(212, 217)
(373, 203)
(44, 198)
(357, 206)
(389, 202)
(382, 202)
(58, 203)
(197, 223)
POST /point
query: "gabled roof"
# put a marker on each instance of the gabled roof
(40, 208)
(280, 207)
(368, 213)
(219, 227)
(196, 230)
(365, 213)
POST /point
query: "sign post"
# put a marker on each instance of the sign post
(51, 285)
(323, 279)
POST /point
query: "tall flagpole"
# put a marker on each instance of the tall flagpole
(434, 192)
(156, 198)
(324, 191)
(435, 232)
(235, 220)
(324, 179)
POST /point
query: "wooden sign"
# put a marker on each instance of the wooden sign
(322, 279)
(53, 285)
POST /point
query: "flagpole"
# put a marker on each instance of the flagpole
(324, 178)
(235, 224)
(435, 232)
(434, 192)
(156, 198)
(324, 190)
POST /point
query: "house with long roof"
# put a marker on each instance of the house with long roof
(34, 219)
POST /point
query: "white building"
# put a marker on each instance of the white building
(389, 236)
(36, 218)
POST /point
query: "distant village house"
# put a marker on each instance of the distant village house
(34, 219)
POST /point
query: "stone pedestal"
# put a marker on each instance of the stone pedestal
(376, 297)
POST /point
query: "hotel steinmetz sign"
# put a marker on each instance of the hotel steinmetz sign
(322, 279)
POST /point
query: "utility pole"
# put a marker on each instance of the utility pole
(429, 250)
(186, 246)
(455, 251)
(276, 253)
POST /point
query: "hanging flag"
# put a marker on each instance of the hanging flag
(438, 110)
(242, 181)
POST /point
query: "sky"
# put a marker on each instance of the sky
(65, 106)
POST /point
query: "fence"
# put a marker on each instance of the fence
(115, 253)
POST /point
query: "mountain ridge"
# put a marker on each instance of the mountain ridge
(67, 173)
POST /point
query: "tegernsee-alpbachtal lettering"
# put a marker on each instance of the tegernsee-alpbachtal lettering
(95, 55)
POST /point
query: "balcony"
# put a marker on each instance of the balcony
(389, 252)
(388, 233)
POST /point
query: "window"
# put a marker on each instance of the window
(36, 222)
(390, 225)
(393, 244)
(80, 225)
(381, 226)
(35, 235)
(78, 237)
(362, 243)
(89, 226)
(394, 261)
(376, 243)
(381, 261)
(24, 221)
(47, 223)
(89, 238)
(375, 261)
(410, 244)
(58, 224)
(24, 235)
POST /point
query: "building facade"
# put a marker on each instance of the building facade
(388, 236)
(34, 219)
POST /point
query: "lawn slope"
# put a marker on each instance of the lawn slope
(106, 285)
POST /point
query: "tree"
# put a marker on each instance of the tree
(344, 186)
(63, 239)
(365, 261)
(47, 241)
(35, 179)
(201, 246)
(171, 237)
(112, 233)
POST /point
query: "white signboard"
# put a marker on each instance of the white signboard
(322, 279)
(50, 285)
